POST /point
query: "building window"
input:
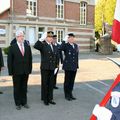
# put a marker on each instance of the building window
(31, 8)
(60, 9)
(40, 31)
(23, 28)
(31, 35)
(2, 31)
(60, 35)
(83, 11)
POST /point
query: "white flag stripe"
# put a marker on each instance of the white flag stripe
(117, 11)
(4, 5)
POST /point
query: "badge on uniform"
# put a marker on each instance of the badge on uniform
(69, 53)
(115, 100)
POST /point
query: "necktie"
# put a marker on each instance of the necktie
(73, 46)
(51, 47)
(21, 49)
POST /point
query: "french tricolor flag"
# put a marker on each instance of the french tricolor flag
(116, 24)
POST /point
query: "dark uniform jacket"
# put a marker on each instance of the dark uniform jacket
(70, 61)
(1, 59)
(115, 110)
(48, 57)
(58, 54)
(18, 64)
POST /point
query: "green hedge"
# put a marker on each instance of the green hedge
(6, 50)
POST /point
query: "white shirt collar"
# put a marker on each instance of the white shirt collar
(48, 43)
(19, 45)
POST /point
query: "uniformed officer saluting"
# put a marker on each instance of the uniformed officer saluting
(48, 65)
(70, 64)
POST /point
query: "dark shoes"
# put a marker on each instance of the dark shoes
(46, 103)
(18, 107)
(55, 87)
(26, 106)
(70, 98)
(73, 98)
(52, 102)
(1, 92)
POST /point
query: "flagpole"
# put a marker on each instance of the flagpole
(102, 20)
(11, 23)
(12, 15)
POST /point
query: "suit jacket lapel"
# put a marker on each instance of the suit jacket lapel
(18, 49)
(25, 49)
(49, 47)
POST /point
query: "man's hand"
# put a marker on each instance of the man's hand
(44, 35)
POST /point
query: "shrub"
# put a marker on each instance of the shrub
(6, 49)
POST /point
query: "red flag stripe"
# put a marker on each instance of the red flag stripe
(116, 23)
(116, 31)
(107, 96)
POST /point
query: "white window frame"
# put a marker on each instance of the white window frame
(83, 13)
(40, 32)
(60, 9)
(32, 41)
(31, 9)
(60, 35)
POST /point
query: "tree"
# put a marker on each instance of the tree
(104, 13)
(99, 9)
(109, 11)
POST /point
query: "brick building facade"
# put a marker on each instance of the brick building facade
(38, 16)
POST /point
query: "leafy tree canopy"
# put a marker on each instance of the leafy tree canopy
(104, 13)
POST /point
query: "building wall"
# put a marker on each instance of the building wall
(19, 7)
(83, 36)
(90, 14)
(47, 8)
(5, 16)
(72, 11)
(46, 18)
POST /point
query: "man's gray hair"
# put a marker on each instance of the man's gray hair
(19, 32)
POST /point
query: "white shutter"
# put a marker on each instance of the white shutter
(32, 35)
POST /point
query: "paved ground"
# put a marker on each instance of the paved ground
(95, 76)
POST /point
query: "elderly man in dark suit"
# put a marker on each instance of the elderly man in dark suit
(19, 67)
(70, 65)
(48, 65)
(1, 63)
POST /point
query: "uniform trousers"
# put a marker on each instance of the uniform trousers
(47, 85)
(69, 82)
(20, 89)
